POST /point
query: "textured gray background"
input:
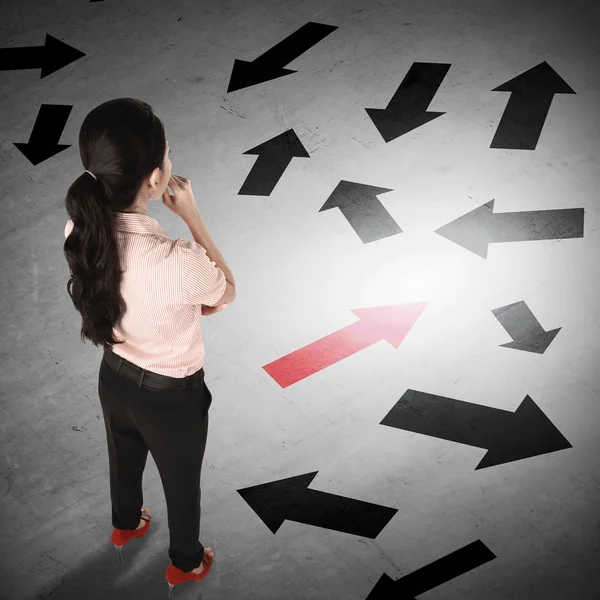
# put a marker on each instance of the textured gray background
(299, 273)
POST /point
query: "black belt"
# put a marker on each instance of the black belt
(149, 379)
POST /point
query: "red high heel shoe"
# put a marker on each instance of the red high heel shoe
(175, 575)
(120, 537)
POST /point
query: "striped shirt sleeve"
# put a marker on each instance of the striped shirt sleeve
(203, 281)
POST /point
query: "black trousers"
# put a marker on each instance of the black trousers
(144, 411)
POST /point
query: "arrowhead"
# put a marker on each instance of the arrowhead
(540, 79)
(40, 151)
(472, 230)
(529, 433)
(391, 323)
(392, 123)
(286, 143)
(58, 55)
(536, 343)
(349, 193)
(246, 74)
(276, 501)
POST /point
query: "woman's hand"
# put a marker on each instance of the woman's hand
(211, 310)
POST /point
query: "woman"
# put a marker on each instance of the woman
(129, 278)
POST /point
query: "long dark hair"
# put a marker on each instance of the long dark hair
(121, 141)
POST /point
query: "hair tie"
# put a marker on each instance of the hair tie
(86, 171)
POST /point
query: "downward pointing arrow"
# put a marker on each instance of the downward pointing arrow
(270, 64)
(363, 210)
(290, 499)
(524, 328)
(407, 109)
(507, 436)
(391, 323)
(274, 156)
(434, 574)
(43, 141)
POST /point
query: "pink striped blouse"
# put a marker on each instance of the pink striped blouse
(164, 285)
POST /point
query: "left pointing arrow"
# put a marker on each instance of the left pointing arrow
(426, 578)
(50, 57)
(507, 436)
(274, 156)
(290, 499)
(482, 226)
(270, 65)
(391, 323)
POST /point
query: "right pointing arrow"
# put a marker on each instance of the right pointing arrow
(507, 436)
(426, 578)
(376, 323)
(480, 227)
(524, 328)
(50, 57)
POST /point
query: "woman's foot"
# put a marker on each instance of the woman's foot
(209, 554)
(145, 513)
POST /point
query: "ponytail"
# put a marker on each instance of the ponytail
(122, 142)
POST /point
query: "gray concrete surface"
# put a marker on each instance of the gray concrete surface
(299, 274)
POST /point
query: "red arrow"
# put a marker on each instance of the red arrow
(390, 323)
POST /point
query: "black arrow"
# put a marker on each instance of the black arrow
(274, 156)
(507, 436)
(528, 106)
(363, 210)
(407, 109)
(50, 57)
(290, 499)
(434, 574)
(270, 64)
(480, 227)
(524, 328)
(48, 127)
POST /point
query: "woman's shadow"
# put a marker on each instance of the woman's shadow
(104, 577)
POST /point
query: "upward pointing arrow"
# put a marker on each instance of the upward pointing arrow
(532, 94)
(274, 156)
(363, 210)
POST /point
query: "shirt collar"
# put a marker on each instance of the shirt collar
(138, 223)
